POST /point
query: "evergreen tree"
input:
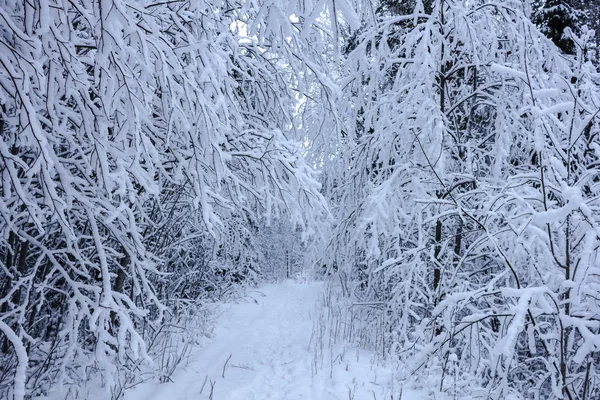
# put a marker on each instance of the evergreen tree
(559, 20)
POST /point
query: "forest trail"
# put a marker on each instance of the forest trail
(270, 347)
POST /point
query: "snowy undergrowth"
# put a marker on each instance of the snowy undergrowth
(169, 344)
(349, 348)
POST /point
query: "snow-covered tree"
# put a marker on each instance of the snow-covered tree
(469, 198)
(141, 142)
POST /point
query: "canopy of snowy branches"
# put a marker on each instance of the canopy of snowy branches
(437, 160)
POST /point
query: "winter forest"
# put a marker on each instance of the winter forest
(435, 162)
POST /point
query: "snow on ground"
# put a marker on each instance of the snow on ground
(273, 347)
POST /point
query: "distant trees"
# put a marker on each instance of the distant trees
(140, 143)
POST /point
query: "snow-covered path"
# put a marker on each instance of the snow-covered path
(260, 347)
(266, 349)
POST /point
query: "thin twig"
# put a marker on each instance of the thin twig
(225, 365)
